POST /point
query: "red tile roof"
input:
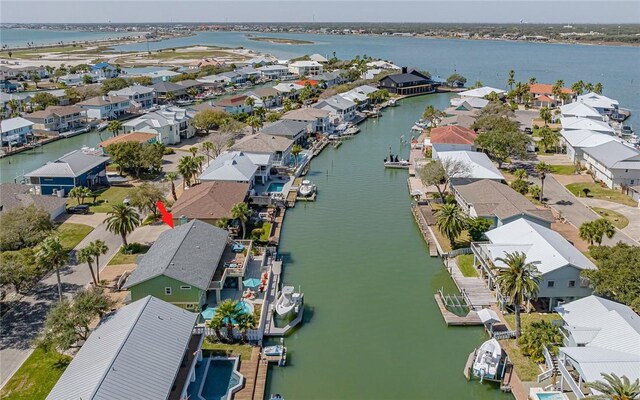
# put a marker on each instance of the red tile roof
(545, 88)
(545, 99)
(231, 101)
(305, 81)
(452, 134)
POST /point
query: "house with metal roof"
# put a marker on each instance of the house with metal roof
(600, 337)
(186, 262)
(146, 350)
(78, 168)
(274, 71)
(580, 110)
(171, 124)
(15, 131)
(478, 166)
(209, 201)
(339, 107)
(468, 103)
(318, 118)
(557, 260)
(290, 90)
(603, 104)
(105, 69)
(234, 166)
(105, 107)
(616, 163)
(409, 82)
(305, 68)
(291, 129)
(58, 118)
(573, 123)
(481, 92)
(140, 97)
(576, 140)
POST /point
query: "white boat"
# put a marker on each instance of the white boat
(422, 123)
(307, 188)
(392, 103)
(288, 301)
(276, 350)
(102, 126)
(75, 132)
(487, 360)
(276, 397)
(352, 130)
(400, 164)
(334, 137)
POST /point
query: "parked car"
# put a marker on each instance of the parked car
(79, 209)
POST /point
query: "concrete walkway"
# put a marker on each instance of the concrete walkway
(632, 213)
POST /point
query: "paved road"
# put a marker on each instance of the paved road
(632, 213)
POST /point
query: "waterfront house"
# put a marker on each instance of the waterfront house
(15, 131)
(13, 195)
(9, 99)
(274, 72)
(409, 82)
(316, 117)
(209, 201)
(318, 58)
(381, 64)
(235, 104)
(59, 119)
(233, 166)
(482, 92)
(186, 262)
(600, 336)
(161, 76)
(190, 84)
(328, 79)
(78, 168)
(78, 79)
(171, 124)
(204, 106)
(468, 103)
(138, 137)
(557, 260)
(615, 163)
(279, 147)
(305, 68)
(580, 110)
(339, 107)
(603, 104)
(140, 97)
(359, 95)
(248, 73)
(8, 85)
(499, 203)
(297, 131)
(169, 90)
(543, 93)
(106, 107)
(451, 138)
(573, 123)
(264, 98)
(458, 119)
(478, 164)
(576, 140)
(105, 69)
(145, 350)
(290, 90)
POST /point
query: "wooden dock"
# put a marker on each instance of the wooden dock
(249, 369)
(474, 289)
(261, 380)
(452, 319)
(424, 229)
(505, 383)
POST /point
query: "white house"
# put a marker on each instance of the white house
(381, 64)
(481, 92)
(58, 118)
(290, 90)
(600, 337)
(479, 166)
(615, 163)
(75, 79)
(278, 147)
(602, 104)
(557, 260)
(140, 97)
(161, 76)
(343, 109)
(274, 72)
(171, 124)
(577, 140)
(468, 103)
(105, 107)
(569, 123)
(580, 110)
(305, 68)
(234, 166)
(318, 58)
(359, 95)
(105, 70)
(15, 131)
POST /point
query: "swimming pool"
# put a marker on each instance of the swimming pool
(243, 306)
(216, 379)
(550, 396)
(275, 187)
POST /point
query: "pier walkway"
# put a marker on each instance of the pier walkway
(473, 289)
(452, 319)
(249, 369)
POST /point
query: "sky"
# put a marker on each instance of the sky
(461, 11)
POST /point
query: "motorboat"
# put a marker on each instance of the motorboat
(307, 188)
(351, 130)
(288, 301)
(276, 350)
(392, 103)
(487, 360)
(395, 162)
(102, 126)
(276, 397)
(75, 132)
(334, 137)
(422, 123)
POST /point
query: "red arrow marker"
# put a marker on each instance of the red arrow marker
(167, 218)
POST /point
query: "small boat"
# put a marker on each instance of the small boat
(184, 102)
(334, 137)
(395, 162)
(372, 113)
(75, 132)
(487, 360)
(276, 397)
(307, 188)
(102, 126)
(276, 350)
(288, 301)
(351, 130)
(392, 103)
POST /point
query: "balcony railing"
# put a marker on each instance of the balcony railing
(573, 385)
(233, 272)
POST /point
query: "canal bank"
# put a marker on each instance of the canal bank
(372, 329)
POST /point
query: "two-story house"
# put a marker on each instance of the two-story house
(615, 163)
(305, 68)
(172, 124)
(408, 82)
(15, 131)
(140, 97)
(56, 118)
(278, 147)
(318, 119)
(341, 108)
(105, 107)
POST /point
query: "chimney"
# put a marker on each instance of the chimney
(404, 70)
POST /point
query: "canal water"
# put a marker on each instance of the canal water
(372, 329)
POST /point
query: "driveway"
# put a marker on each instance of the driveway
(93, 219)
(632, 213)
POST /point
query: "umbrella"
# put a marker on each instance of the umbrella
(252, 282)
(417, 192)
(209, 313)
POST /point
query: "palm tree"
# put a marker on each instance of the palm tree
(241, 212)
(254, 122)
(246, 322)
(98, 248)
(199, 160)
(545, 115)
(85, 255)
(296, 149)
(171, 177)
(122, 220)
(222, 223)
(520, 281)
(450, 221)
(615, 388)
(249, 102)
(14, 106)
(597, 88)
(543, 169)
(511, 79)
(532, 80)
(114, 127)
(216, 323)
(193, 150)
(51, 254)
(588, 232)
(228, 312)
(520, 174)
(432, 115)
(208, 147)
(187, 167)
(603, 227)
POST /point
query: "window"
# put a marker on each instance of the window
(185, 287)
(190, 306)
(167, 291)
(572, 283)
(551, 284)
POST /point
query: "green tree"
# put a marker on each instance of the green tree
(550, 139)
(73, 95)
(85, 255)
(287, 105)
(451, 80)
(122, 220)
(437, 173)
(14, 106)
(520, 281)
(114, 127)
(51, 254)
(617, 276)
(35, 77)
(98, 248)
(614, 387)
(141, 80)
(228, 312)
(477, 227)
(210, 119)
(19, 269)
(112, 84)
(241, 212)
(521, 186)
(216, 324)
(503, 140)
(578, 87)
(44, 100)
(595, 231)
(208, 147)
(511, 79)
(296, 149)
(588, 232)
(534, 191)
(127, 156)
(433, 115)
(87, 79)
(24, 227)
(273, 116)
(450, 221)
(151, 157)
(171, 178)
(245, 323)
(543, 169)
(545, 115)
(537, 336)
(188, 168)
(597, 88)
(146, 196)
(254, 122)
(521, 174)
(80, 193)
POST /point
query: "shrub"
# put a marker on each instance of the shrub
(168, 150)
(131, 248)
(521, 186)
(538, 336)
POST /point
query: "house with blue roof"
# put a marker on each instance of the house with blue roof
(105, 69)
(78, 168)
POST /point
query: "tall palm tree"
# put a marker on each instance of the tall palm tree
(14, 106)
(85, 255)
(588, 232)
(98, 248)
(241, 212)
(171, 177)
(199, 160)
(521, 174)
(615, 388)
(246, 322)
(520, 280)
(545, 115)
(228, 312)
(51, 254)
(450, 221)
(122, 220)
(114, 127)
(187, 167)
(603, 228)
(249, 102)
(216, 323)
(296, 149)
(511, 79)
(255, 123)
(543, 169)
(208, 147)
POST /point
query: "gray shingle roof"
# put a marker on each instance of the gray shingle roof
(70, 165)
(135, 353)
(188, 253)
(285, 128)
(337, 102)
(14, 195)
(165, 87)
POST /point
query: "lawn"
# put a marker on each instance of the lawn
(563, 169)
(267, 231)
(72, 234)
(106, 199)
(462, 241)
(617, 219)
(36, 377)
(598, 192)
(465, 263)
(224, 349)
(120, 258)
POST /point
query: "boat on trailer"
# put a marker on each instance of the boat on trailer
(488, 362)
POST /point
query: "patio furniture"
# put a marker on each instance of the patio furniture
(237, 247)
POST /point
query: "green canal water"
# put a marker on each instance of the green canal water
(372, 328)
